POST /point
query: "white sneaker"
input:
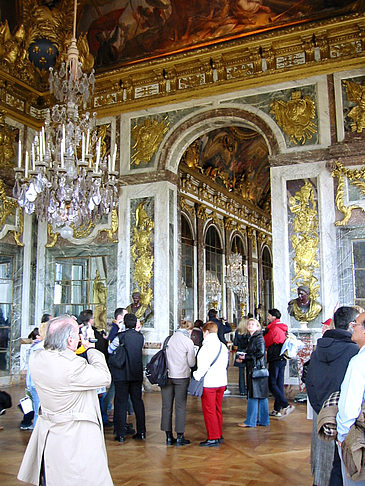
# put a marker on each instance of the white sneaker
(289, 409)
(274, 413)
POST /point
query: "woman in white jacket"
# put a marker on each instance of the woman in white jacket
(215, 382)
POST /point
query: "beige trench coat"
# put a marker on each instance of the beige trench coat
(69, 431)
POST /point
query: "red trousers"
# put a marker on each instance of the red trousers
(212, 411)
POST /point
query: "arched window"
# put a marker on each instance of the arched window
(237, 302)
(213, 268)
(267, 278)
(187, 270)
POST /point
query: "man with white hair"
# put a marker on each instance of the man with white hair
(67, 445)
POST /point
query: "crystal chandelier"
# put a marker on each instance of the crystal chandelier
(235, 280)
(66, 181)
(213, 287)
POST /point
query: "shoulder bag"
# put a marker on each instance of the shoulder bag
(118, 357)
(195, 387)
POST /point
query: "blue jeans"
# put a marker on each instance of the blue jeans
(251, 417)
(276, 383)
(36, 403)
(241, 379)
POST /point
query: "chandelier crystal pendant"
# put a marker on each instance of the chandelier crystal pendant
(65, 180)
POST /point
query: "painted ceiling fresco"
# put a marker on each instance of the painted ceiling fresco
(122, 31)
(236, 159)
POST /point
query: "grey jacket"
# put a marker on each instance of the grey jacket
(180, 355)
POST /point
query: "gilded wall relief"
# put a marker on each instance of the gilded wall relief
(296, 117)
(147, 136)
(142, 255)
(304, 237)
(120, 31)
(355, 109)
(355, 180)
(8, 138)
(11, 216)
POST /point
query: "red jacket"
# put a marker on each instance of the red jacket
(276, 333)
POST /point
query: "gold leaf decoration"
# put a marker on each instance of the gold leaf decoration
(355, 177)
(295, 117)
(148, 136)
(356, 93)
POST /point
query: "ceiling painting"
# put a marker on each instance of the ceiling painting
(236, 159)
(124, 31)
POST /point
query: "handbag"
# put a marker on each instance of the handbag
(195, 387)
(118, 357)
(260, 373)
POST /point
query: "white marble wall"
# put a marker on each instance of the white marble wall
(328, 263)
(164, 256)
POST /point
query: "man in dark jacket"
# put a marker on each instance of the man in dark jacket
(326, 370)
(275, 335)
(223, 326)
(128, 380)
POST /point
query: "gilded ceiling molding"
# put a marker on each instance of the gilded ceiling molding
(113, 228)
(295, 117)
(148, 136)
(355, 177)
(356, 93)
(305, 241)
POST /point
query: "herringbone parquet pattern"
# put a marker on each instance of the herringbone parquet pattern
(266, 456)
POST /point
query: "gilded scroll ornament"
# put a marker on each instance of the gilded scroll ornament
(113, 228)
(19, 234)
(305, 241)
(141, 252)
(148, 136)
(52, 237)
(7, 139)
(295, 117)
(355, 177)
(356, 93)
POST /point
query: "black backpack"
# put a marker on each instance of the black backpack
(156, 369)
(118, 357)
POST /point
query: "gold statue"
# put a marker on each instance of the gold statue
(303, 308)
(99, 298)
(140, 309)
(356, 93)
(148, 136)
(295, 117)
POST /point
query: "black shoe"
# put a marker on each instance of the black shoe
(181, 441)
(119, 438)
(221, 440)
(140, 436)
(129, 430)
(210, 443)
(170, 439)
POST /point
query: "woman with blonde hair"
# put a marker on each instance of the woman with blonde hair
(180, 355)
(241, 337)
(212, 365)
(257, 387)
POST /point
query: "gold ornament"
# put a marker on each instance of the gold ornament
(305, 241)
(141, 252)
(295, 117)
(99, 300)
(7, 139)
(356, 93)
(53, 237)
(355, 177)
(113, 228)
(148, 136)
(7, 206)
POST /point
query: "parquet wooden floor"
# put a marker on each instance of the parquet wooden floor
(265, 456)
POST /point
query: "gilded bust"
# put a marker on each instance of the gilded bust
(303, 308)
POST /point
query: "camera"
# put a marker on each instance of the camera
(83, 331)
